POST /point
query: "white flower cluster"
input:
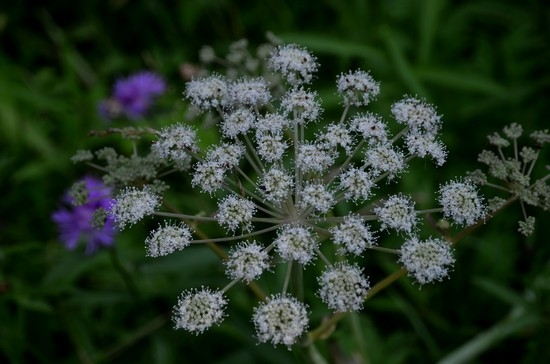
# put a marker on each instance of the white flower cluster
(175, 142)
(296, 243)
(235, 211)
(397, 212)
(282, 319)
(198, 310)
(423, 124)
(167, 239)
(343, 287)
(353, 235)
(133, 205)
(289, 195)
(461, 202)
(296, 64)
(426, 260)
(247, 261)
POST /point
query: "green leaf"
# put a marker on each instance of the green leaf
(417, 323)
(501, 292)
(400, 62)
(66, 271)
(33, 304)
(337, 47)
(491, 337)
(463, 81)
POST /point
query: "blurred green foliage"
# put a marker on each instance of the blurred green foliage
(483, 63)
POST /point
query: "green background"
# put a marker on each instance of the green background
(484, 64)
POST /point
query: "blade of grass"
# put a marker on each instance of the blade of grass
(402, 66)
(461, 81)
(73, 57)
(428, 25)
(338, 47)
(489, 338)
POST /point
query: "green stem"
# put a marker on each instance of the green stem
(287, 276)
(298, 280)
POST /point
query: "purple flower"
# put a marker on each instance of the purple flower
(133, 96)
(76, 223)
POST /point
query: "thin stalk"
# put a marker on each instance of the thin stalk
(110, 353)
(185, 217)
(236, 237)
(344, 165)
(385, 250)
(254, 154)
(532, 164)
(322, 256)
(287, 276)
(230, 284)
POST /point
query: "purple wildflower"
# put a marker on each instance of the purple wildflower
(76, 223)
(133, 96)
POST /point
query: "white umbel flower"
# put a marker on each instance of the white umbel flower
(237, 122)
(423, 144)
(416, 113)
(302, 105)
(513, 131)
(357, 184)
(236, 212)
(371, 127)
(247, 261)
(198, 310)
(296, 243)
(208, 175)
(527, 226)
(426, 260)
(249, 92)
(343, 287)
(385, 158)
(353, 235)
(175, 142)
(357, 87)
(226, 154)
(276, 184)
(271, 147)
(336, 135)
(271, 122)
(296, 64)
(207, 93)
(167, 239)
(316, 195)
(397, 212)
(461, 202)
(133, 205)
(313, 158)
(282, 319)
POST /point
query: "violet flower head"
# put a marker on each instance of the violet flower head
(133, 96)
(89, 221)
